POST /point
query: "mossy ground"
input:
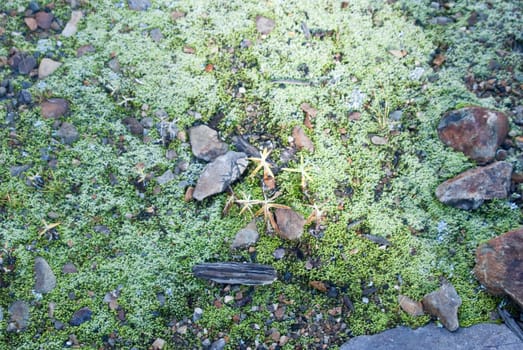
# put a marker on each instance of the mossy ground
(390, 188)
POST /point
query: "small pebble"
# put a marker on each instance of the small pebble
(81, 316)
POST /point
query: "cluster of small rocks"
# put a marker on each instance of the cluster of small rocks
(478, 133)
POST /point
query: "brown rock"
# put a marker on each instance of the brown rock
(54, 108)
(471, 188)
(205, 143)
(499, 265)
(290, 223)
(133, 125)
(31, 23)
(444, 303)
(44, 19)
(412, 307)
(475, 131)
(301, 139)
(84, 49)
(264, 25)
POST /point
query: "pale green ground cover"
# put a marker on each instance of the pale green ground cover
(155, 255)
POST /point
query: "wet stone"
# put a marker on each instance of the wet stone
(444, 303)
(499, 265)
(44, 276)
(475, 131)
(81, 316)
(471, 188)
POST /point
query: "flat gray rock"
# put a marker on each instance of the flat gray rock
(219, 174)
(45, 280)
(483, 336)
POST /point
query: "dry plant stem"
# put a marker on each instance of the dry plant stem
(262, 163)
(266, 205)
(303, 170)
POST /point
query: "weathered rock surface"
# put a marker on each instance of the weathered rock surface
(479, 337)
(44, 19)
(67, 133)
(471, 188)
(246, 236)
(444, 303)
(475, 131)
(412, 307)
(264, 25)
(23, 62)
(205, 143)
(236, 273)
(19, 319)
(290, 223)
(47, 67)
(219, 174)
(45, 280)
(54, 108)
(81, 316)
(72, 26)
(499, 265)
(301, 140)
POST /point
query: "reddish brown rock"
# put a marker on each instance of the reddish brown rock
(475, 131)
(54, 108)
(471, 188)
(31, 23)
(444, 303)
(44, 19)
(412, 307)
(499, 265)
(301, 139)
(290, 223)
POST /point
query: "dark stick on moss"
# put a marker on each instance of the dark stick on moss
(236, 273)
